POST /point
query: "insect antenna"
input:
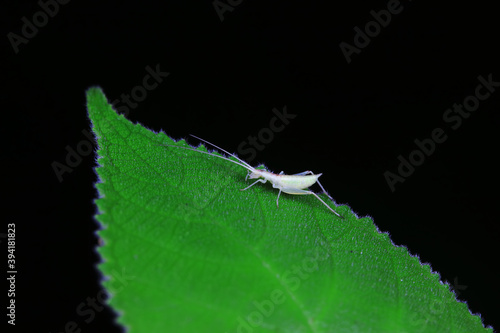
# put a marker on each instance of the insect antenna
(225, 151)
(241, 163)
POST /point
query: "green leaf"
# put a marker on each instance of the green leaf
(184, 250)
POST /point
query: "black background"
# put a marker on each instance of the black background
(352, 122)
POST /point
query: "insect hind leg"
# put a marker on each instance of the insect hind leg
(308, 172)
(323, 189)
(305, 192)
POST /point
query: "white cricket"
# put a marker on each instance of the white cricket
(292, 184)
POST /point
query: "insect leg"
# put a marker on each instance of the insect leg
(303, 173)
(298, 191)
(323, 189)
(277, 199)
(324, 203)
(258, 180)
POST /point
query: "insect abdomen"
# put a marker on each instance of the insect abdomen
(300, 182)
